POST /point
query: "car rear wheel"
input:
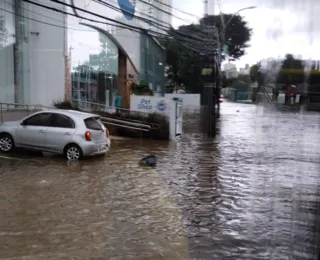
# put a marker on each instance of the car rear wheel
(6, 143)
(73, 152)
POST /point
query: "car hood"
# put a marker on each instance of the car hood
(10, 123)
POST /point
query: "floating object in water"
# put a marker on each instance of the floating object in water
(150, 160)
(238, 110)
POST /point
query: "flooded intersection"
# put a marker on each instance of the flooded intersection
(252, 193)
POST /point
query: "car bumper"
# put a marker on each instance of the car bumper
(92, 148)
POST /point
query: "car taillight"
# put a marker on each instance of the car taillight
(107, 132)
(87, 135)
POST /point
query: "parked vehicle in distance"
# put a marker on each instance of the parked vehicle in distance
(71, 133)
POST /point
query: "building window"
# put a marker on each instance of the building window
(94, 63)
(7, 32)
(14, 48)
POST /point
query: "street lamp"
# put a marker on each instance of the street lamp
(222, 33)
(242, 9)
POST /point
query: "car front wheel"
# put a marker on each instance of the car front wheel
(6, 143)
(73, 152)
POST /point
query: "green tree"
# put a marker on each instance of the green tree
(185, 51)
(236, 31)
(291, 72)
(256, 75)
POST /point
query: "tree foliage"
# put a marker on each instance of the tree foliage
(183, 52)
(291, 72)
(256, 75)
(237, 33)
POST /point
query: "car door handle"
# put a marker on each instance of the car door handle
(41, 131)
(67, 133)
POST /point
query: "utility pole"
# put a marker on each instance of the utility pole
(210, 75)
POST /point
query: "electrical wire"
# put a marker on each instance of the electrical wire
(115, 22)
(48, 17)
(159, 25)
(134, 28)
(151, 32)
(190, 45)
(187, 33)
(50, 24)
(164, 11)
(162, 23)
(174, 8)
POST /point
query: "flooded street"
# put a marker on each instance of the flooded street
(252, 193)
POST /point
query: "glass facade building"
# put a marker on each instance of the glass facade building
(94, 67)
(14, 53)
(47, 56)
(152, 63)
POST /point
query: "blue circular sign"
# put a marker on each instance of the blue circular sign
(161, 106)
(127, 8)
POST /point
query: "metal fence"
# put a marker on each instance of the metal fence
(16, 111)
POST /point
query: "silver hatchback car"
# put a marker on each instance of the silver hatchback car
(71, 133)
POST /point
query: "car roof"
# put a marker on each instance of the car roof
(71, 113)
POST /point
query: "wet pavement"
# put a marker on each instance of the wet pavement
(252, 193)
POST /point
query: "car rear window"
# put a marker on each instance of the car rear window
(93, 123)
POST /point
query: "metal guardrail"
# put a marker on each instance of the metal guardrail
(123, 113)
(16, 107)
(266, 94)
(126, 124)
(23, 108)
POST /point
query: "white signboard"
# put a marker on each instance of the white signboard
(149, 104)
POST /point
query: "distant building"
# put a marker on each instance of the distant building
(230, 70)
(245, 70)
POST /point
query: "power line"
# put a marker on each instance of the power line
(115, 22)
(179, 39)
(50, 24)
(127, 12)
(134, 28)
(173, 8)
(164, 11)
(48, 17)
(137, 17)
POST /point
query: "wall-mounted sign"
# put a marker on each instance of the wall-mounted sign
(127, 8)
(149, 104)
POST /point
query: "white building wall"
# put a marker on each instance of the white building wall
(47, 50)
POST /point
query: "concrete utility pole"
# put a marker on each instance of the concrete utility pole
(210, 73)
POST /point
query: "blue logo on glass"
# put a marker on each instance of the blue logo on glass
(127, 8)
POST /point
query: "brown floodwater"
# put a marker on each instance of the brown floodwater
(252, 193)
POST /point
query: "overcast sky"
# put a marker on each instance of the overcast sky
(279, 26)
